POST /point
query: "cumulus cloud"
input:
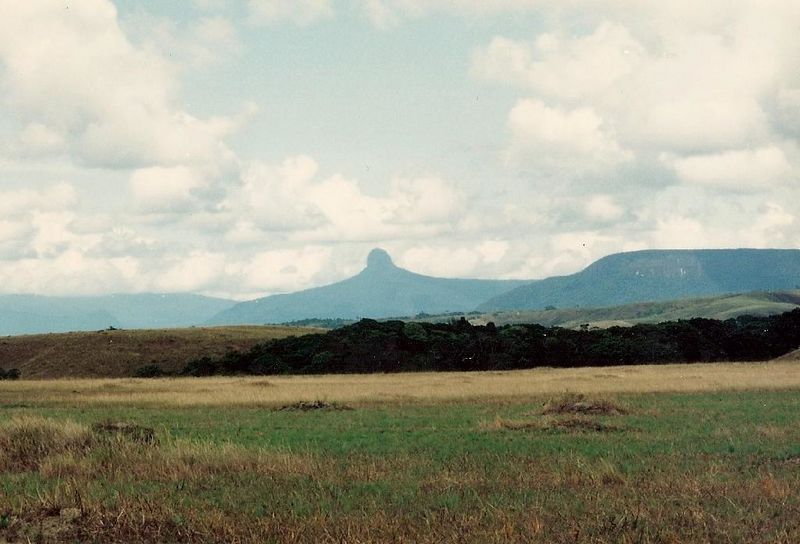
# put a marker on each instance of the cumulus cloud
(618, 126)
(736, 170)
(562, 66)
(56, 197)
(281, 270)
(292, 197)
(556, 138)
(160, 189)
(603, 208)
(116, 104)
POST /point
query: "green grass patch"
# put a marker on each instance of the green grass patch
(688, 467)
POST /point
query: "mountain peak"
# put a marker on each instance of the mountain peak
(379, 259)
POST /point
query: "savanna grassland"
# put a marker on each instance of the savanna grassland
(119, 353)
(672, 453)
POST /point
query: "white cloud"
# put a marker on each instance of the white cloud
(492, 251)
(56, 197)
(300, 12)
(737, 170)
(291, 198)
(160, 189)
(561, 66)
(704, 84)
(562, 139)
(73, 82)
(441, 261)
(281, 270)
(196, 271)
(603, 208)
(11, 231)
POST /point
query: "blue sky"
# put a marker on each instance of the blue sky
(257, 146)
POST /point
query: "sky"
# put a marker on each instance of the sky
(248, 147)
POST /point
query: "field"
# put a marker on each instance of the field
(118, 353)
(675, 453)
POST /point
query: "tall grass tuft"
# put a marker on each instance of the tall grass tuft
(26, 441)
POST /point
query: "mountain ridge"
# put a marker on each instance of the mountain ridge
(654, 275)
(381, 289)
(33, 314)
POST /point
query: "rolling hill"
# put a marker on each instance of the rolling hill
(719, 307)
(117, 354)
(380, 290)
(656, 275)
(31, 314)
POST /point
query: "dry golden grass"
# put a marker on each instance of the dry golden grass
(118, 353)
(405, 388)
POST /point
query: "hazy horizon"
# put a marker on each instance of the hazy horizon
(239, 149)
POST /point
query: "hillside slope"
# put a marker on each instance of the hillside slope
(116, 354)
(380, 290)
(656, 275)
(719, 307)
(30, 314)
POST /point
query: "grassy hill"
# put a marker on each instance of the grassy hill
(717, 307)
(792, 356)
(118, 353)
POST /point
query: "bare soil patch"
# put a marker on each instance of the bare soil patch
(305, 406)
(574, 424)
(581, 425)
(131, 431)
(580, 404)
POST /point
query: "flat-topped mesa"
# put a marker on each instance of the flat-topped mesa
(378, 259)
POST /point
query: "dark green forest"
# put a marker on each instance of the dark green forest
(397, 346)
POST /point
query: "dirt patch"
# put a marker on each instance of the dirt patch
(790, 461)
(131, 431)
(261, 383)
(305, 406)
(581, 425)
(575, 424)
(580, 404)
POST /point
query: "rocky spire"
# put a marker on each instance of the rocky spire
(378, 259)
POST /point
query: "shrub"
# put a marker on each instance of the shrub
(149, 371)
(10, 374)
(205, 366)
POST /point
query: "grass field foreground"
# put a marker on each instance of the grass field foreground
(647, 462)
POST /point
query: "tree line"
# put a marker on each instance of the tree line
(397, 346)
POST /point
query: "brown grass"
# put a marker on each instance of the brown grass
(569, 424)
(791, 356)
(26, 441)
(576, 403)
(404, 388)
(118, 353)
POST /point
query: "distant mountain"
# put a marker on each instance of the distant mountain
(656, 275)
(29, 314)
(380, 290)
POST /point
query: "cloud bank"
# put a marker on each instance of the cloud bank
(616, 126)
